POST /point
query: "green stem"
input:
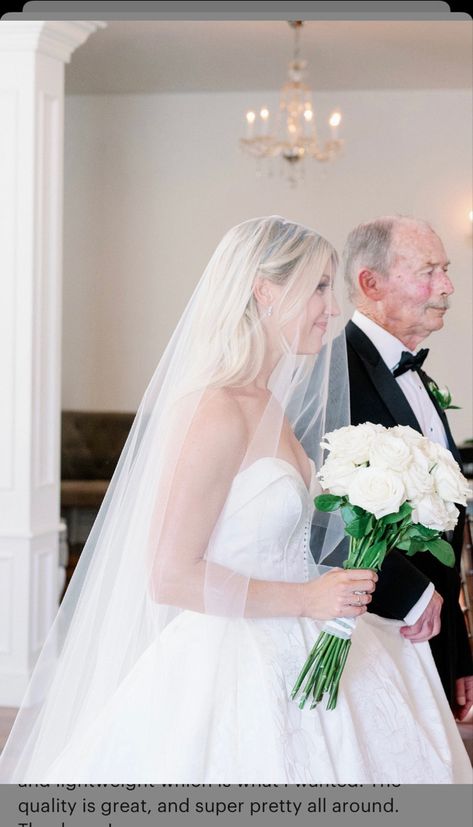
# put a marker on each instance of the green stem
(332, 701)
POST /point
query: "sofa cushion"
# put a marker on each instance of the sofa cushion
(91, 443)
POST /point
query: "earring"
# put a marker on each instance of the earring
(270, 310)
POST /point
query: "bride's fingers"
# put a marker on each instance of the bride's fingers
(354, 611)
(358, 599)
(362, 574)
(361, 586)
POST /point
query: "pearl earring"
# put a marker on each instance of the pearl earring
(270, 310)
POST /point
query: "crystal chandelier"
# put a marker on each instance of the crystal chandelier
(295, 136)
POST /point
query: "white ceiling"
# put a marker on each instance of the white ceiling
(190, 56)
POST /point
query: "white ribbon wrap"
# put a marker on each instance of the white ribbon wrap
(340, 627)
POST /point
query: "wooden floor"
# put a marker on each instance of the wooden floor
(7, 716)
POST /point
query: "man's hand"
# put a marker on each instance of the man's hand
(428, 624)
(463, 697)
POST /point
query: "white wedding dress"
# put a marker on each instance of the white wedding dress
(210, 702)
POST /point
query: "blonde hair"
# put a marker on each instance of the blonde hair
(228, 341)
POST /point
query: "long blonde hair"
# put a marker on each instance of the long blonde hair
(228, 339)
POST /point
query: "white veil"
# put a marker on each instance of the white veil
(132, 579)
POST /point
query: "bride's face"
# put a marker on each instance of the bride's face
(307, 330)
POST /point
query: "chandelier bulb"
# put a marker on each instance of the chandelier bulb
(335, 119)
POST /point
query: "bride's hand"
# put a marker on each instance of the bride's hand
(338, 593)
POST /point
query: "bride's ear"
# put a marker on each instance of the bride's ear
(263, 293)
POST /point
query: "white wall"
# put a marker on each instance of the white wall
(153, 181)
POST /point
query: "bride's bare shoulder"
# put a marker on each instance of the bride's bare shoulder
(219, 423)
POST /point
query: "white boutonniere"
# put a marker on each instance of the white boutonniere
(443, 396)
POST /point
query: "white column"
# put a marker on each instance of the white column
(32, 58)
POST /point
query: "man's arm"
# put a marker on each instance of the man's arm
(400, 586)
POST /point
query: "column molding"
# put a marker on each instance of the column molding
(32, 58)
(54, 38)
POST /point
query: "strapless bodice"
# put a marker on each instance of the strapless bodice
(264, 528)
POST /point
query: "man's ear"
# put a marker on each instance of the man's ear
(262, 292)
(372, 284)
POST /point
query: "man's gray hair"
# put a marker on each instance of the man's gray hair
(368, 246)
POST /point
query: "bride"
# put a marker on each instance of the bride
(196, 600)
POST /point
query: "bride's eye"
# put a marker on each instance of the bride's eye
(322, 286)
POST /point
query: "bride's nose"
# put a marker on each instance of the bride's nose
(333, 306)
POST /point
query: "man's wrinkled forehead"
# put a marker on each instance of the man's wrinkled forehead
(416, 244)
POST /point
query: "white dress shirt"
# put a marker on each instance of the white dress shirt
(390, 350)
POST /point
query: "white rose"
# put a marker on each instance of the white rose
(390, 452)
(453, 513)
(450, 483)
(417, 479)
(336, 475)
(438, 453)
(352, 442)
(432, 512)
(408, 435)
(377, 490)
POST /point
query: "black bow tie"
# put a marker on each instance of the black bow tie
(410, 361)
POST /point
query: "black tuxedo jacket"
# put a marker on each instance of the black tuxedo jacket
(375, 396)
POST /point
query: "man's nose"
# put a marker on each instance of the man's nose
(443, 285)
(446, 286)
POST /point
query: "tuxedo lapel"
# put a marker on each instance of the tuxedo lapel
(381, 377)
(425, 379)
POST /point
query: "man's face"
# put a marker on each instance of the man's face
(418, 285)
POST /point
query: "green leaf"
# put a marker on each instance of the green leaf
(404, 511)
(424, 531)
(359, 528)
(442, 551)
(348, 513)
(416, 545)
(328, 502)
(419, 544)
(417, 531)
(390, 519)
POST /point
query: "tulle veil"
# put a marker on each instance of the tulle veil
(117, 603)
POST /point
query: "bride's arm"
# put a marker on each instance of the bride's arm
(211, 457)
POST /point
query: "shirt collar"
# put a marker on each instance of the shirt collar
(388, 347)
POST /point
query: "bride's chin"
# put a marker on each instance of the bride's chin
(311, 348)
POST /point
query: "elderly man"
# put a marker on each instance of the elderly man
(397, 274)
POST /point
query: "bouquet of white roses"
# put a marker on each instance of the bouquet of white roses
(395, 489)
